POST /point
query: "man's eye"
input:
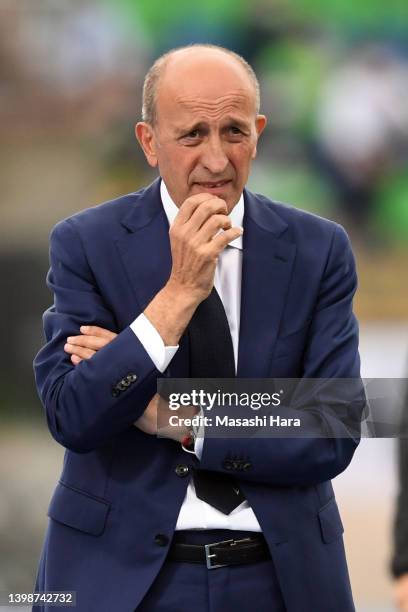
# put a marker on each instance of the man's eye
(193, 134)
(235, 132)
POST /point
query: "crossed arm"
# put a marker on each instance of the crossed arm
(94, 338)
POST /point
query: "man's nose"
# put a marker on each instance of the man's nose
(214, 158)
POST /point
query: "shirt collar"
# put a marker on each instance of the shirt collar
(236, 215)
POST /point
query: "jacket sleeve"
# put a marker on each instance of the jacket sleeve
(331, 352)
(86, 405)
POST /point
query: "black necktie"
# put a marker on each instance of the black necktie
(212, 356)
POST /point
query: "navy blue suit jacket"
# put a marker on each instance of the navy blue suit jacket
(116, 505)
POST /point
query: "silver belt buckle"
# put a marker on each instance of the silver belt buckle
(209, 555)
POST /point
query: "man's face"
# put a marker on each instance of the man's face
(206, 131)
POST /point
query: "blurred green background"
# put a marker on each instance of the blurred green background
(334, 85)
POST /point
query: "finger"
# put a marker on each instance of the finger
(221, 240)
(75, 359)
(212, 226)
(84, 353)
(190, 205)
(204, 212)
(94, 330)
(92, 342)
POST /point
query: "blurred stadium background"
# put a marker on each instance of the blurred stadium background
(334, 84)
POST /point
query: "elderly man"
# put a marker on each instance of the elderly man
(194, 276)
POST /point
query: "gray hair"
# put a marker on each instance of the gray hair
(155, 72)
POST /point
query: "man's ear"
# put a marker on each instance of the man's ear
(145, 135)
(260, 123)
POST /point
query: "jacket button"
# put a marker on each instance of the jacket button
(182, 470)
(227, 464)
(161, 539)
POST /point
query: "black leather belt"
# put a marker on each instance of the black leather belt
(218, 554)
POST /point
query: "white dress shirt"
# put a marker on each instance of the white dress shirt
(196, 513)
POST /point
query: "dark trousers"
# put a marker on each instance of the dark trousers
(183, 587)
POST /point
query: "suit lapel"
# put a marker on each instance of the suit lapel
(266, 272)
(146, 255)
(145, 250)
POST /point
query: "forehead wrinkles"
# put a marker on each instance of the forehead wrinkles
(214, 108)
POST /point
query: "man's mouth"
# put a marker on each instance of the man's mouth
(214, 184)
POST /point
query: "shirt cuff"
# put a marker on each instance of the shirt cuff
(198, 447)
(152, 342)
(199, 441)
